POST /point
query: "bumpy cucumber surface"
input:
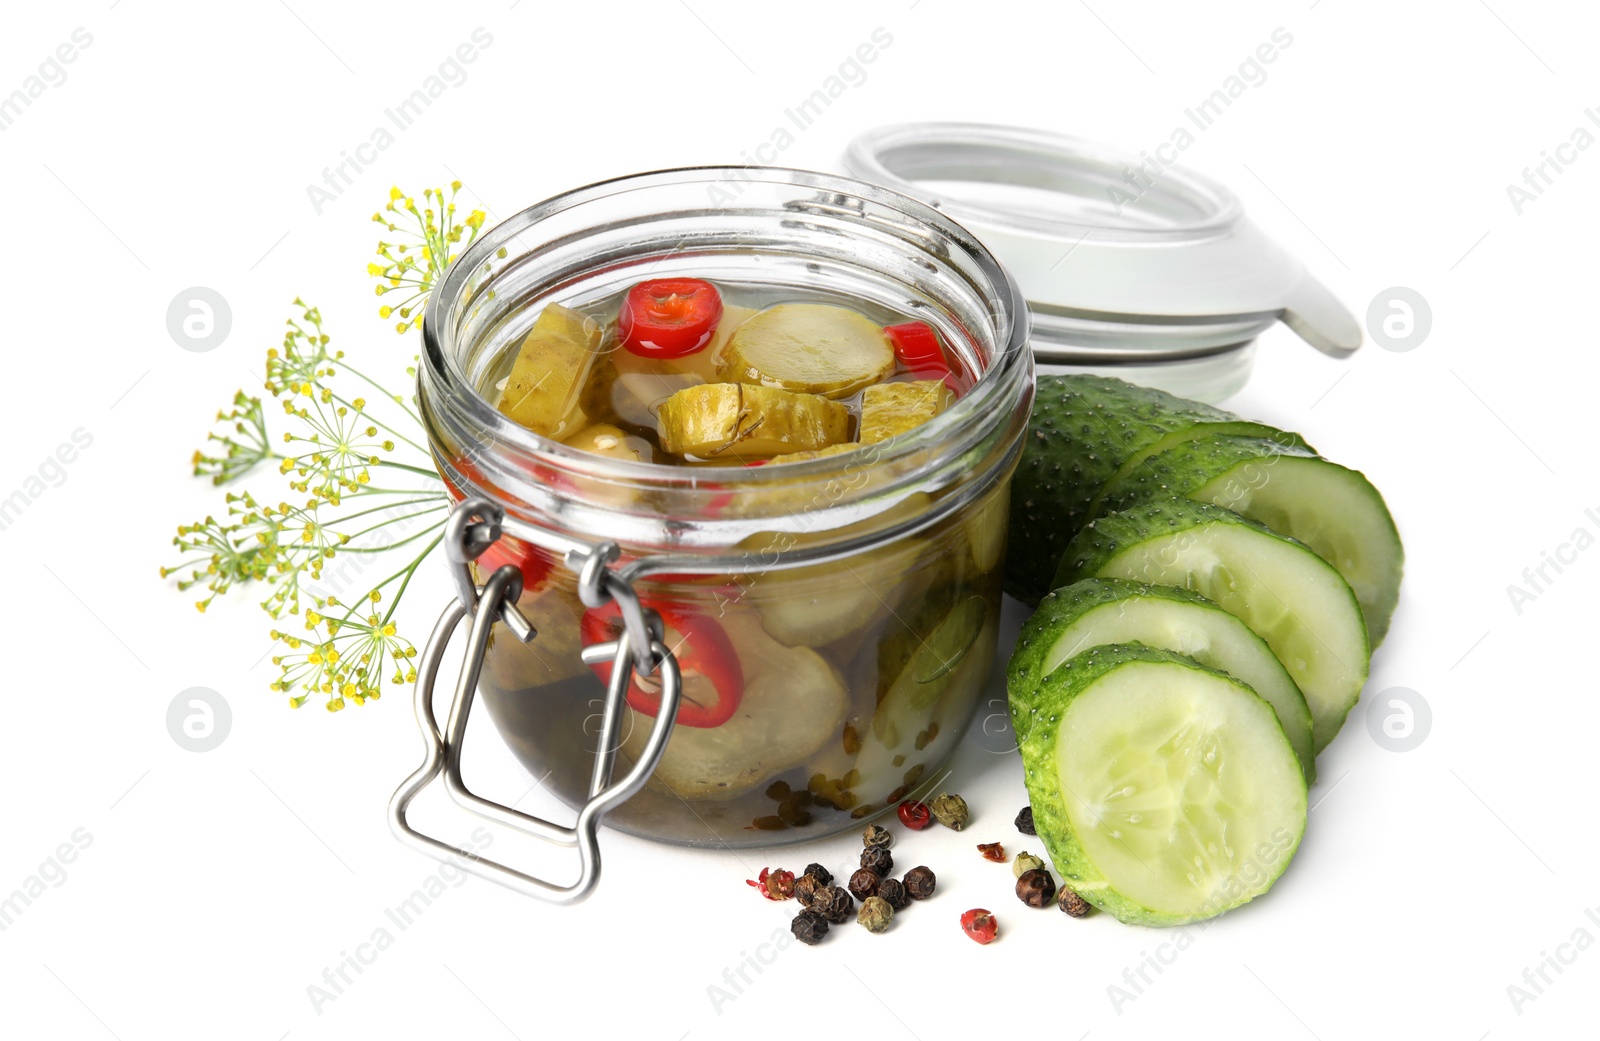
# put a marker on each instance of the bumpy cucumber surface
(1164, 791)
(1084, 432)
(1101, 611)
(1288, 595)
(1334, 510)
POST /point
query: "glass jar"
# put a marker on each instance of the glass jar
(835, 619)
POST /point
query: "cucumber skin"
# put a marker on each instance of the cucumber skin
(1024, 673)
(1184, 469)
(1082, 433)
(1053, 696)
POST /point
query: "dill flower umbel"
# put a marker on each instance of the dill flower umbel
(427, 241)
(361, 488)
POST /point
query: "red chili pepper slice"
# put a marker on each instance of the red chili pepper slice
(669, 317)
(713, 682)
(917, 347)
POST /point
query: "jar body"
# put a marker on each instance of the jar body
(860, 677)
(836, 619)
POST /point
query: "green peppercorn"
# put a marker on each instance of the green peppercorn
(864, 883)
(809, 928)
(1036, 888)
(878, 859)
(1025, 862)
(876, 914)
(950, 810)
(1073, 904)
(919, 883)
(1025, 821)
(820, 873)
(877, 838)
(834, 904)
(894, 891)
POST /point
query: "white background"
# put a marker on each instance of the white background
(218, 886)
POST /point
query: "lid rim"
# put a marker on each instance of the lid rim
(978, 151)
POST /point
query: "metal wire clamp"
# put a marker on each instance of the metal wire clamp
(474, 525)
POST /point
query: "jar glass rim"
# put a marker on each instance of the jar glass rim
(877, 233)
(441, 311)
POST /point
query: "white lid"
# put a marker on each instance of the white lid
(1119, 267)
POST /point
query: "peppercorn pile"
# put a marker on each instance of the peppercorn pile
(880, 893)
(826, 901)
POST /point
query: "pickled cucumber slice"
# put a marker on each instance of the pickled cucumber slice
(809, 349)
(918, 656)
(1100, 611)
(739, 422)
(820, 604)
(1084, 431)
(551, 372)
(930, 698)
(608, 440)
(1288, 595)
(1334, 510)
(794, 703)
(1165, 791)
(888, 409)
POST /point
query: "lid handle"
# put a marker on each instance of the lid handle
(474, 525)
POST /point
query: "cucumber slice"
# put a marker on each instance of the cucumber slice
(1291, 597)
(1334, 510)
(946, 648)
(733, 422)
(1083, 433)
(1165, 791)
(809, 349)
(1100, 611)
(888, 409)
(545, 388)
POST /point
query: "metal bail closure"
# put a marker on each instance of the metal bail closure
(474, 525)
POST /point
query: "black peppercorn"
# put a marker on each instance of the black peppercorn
(1036, 888)
(823, 876)
(876, 837)
(809, 927)
(878, 859)
(864, 883)
(834, 904)
(1073, 904)
(805, 888)
(1025, 821)
(894, 891)
(919, 883)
